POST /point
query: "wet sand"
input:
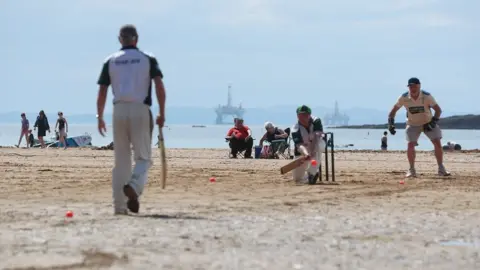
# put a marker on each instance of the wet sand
(250, 218)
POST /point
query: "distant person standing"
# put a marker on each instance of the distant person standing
(62, 126)
(384, 145)
(43, 127)
(24, 129)
(418, 104)
(130, 71)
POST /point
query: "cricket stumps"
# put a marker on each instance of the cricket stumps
(329, 138)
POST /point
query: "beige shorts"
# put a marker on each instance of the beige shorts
(413, 133)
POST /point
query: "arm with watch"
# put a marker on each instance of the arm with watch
(101, 100)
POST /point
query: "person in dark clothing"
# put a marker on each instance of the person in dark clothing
(43, 127)
(31, 139)
(240, 139)
(273, 135)
(384, 144)
(62, 126)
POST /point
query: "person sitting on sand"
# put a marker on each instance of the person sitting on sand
(384, 145)
(273, 133)
(24, 130)
(240, 138)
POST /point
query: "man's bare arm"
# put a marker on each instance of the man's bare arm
(101, 100)
(394, 111)
(161, 95)
(438, 111)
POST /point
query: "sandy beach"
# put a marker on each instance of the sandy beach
(250, 218)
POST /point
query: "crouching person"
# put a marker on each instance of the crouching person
(307, 134)
(240, 139)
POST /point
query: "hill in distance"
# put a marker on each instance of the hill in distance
(468, 121)
(176, 115)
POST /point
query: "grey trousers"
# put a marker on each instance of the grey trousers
(132, 127)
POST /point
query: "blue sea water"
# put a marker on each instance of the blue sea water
(212, 136)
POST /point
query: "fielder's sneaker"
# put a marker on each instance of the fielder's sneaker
(132, 203)
(411, 173)
(443, 172)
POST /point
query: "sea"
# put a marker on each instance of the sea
(212, 136)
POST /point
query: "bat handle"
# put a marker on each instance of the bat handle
(160, 134)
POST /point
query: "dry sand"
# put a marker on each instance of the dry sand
(251, 218)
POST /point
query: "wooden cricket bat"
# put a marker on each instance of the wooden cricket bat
(161, 146)
(292, 165)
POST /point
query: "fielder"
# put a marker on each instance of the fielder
(307, 135)
(130, 71)
(418, 103)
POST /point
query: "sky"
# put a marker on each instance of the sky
(272, 52)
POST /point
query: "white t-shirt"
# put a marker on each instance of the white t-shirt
(130, 72)
(419, 110)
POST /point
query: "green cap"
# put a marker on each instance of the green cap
(304, 109)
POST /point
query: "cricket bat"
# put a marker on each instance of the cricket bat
(161, 146)
(292, 165)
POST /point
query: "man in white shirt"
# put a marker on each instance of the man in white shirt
(130, 73)
(307, 134)
(418, 104)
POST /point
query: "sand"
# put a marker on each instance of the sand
(251, 218)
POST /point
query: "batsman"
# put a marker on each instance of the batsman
(418, 104)
(130, 72)
(307, 134)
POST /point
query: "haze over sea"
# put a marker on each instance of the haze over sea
(276, 55)
(211, 136)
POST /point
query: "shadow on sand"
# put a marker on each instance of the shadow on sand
(172, 216)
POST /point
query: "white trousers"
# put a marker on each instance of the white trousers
(132, 127)
(316, 153)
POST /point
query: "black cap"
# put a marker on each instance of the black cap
(413, 81)
(128, 32)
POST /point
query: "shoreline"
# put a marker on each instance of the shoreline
(225, 149)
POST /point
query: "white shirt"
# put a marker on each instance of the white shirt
(418, 110)
(130, 72)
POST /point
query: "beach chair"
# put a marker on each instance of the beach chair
(241, 153)
(281, 148)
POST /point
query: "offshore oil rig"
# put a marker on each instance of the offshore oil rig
(228, 110)
(337, 118)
